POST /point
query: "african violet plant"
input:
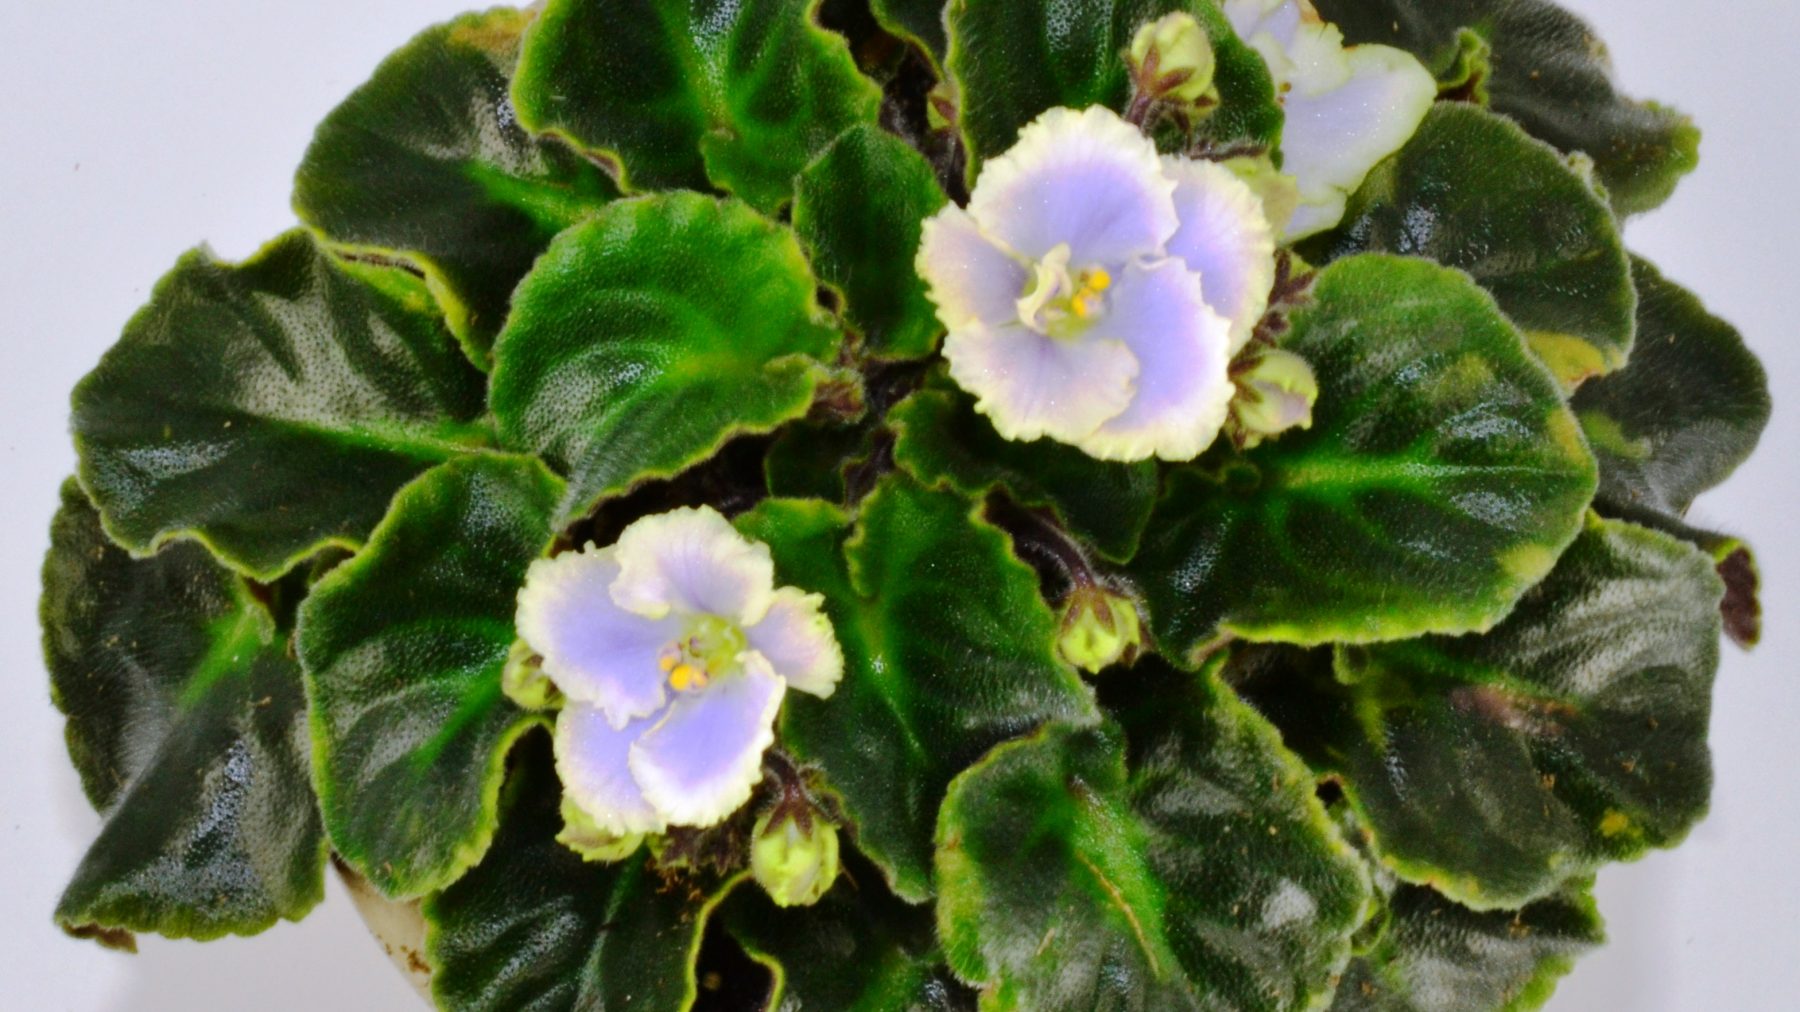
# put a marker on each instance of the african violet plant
(659, 511)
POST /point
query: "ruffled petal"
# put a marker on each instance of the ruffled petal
(700, 763)
(970, 278)
(1347, 107)
(593, 762)
(797, 639)
(595, 651)
(692, 561)
(1088, 179)
(1181, 345)
(1225, 238)
(1031, 385)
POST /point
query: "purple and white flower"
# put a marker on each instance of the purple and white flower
(1094, 292)
(673, 650)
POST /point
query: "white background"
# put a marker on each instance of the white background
(135, 130)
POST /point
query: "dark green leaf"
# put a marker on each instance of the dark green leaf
(652, 334)
(1438, 956)
(811, 460)
(1551, 74)
(426, 162)
(271, 409)
(859, 209)
(186, 723)
(533, 928)
(1205, 877)
(403, 648)
(1683, 414)
(948, 650)
(921, 21)
(1473, 191)
(744, 94)
(1013, 59)
(1441, 478)
(1585, 713)
(940, 439)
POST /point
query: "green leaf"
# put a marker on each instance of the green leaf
(941, 440)
(859, 209)
(273, 408)
(1683, 414)
(857, 950)
(1473, 191)
(1442, 477)
(1552, 75)
(1013, 59)
(920, 21)
(186, 723)
(534, 927)
(403, 648)
(652, 334)
(948, 650)
(1436, 954)
(1585, 712)
(812, 460)
(427, 163)
(1202, 873)
(743, 94)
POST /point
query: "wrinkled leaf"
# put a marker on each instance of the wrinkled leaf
(653, 333)
(947, 648)
(1441, 478)
(921, 21)
(186, 723)
(427, 162)
(403, 648)
(1473, 191)
(272, 408)
(743, 94)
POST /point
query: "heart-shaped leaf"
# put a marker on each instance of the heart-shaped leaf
(1585, 712)
(427, 163)
(940, 439)
(403, 648)
(653, 333)
(273, 408)
(187, 724)
(1441, 478)
(743, 94)
(1013, 59)
(1473, 191)
(859, 209)
(1194, 870)
(948, 650)
(1551, 74)
(535, 927)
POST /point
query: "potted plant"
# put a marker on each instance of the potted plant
(840, 505)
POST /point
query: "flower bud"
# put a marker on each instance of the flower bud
(524, 682)
(581, 835)
(1099, 629)
(794, 864)
(1276, 394)
(1172, 59)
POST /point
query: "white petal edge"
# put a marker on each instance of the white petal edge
(691, 560)
(1086, 178)
(595, 651)
(1184, 391)
(1030, 385)
(704, 757)
(797, 639)
(1225, 238)
(593, 762)
(969, 277)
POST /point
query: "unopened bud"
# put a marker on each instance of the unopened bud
(1276, 394)
(1099, 629)
(524, 682)
(794, 864)
(1278, 191)
(940, 107)
(583, 836)
(1172, 59)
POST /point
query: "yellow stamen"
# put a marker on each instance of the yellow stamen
(1093, 283)
(686, 677)
(667, 663)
